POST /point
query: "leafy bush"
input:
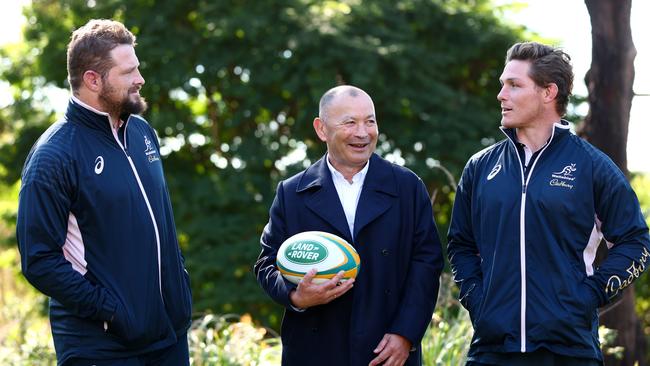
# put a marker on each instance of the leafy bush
(641, 185)
(229, 340)
(24, 330)
(447, 339)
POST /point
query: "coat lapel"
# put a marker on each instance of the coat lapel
(322, 199)
(378, 190)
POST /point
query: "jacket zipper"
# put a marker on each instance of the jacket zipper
(522, 234)
(146, 200)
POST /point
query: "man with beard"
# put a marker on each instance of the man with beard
(95, 225)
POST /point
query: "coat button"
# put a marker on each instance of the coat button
(314, 329)
(387, 291)
(384, 252)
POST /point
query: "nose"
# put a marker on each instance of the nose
(361, 130)
(501, 96)
(139, 80)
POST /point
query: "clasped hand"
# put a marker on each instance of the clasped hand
(309, 293)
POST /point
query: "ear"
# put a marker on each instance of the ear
(92, 81)
(550, 92)
(319, 127)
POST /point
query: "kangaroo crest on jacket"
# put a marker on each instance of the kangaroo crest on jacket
(150, 151)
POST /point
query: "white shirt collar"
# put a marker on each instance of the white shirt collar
(336, 175)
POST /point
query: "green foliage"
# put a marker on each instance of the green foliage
(8, 209)
(448, 337)
(641, 185)
(607, 339)
(229, 340)
(234, 85)
(24, 331)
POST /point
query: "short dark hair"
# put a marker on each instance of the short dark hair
(90, 47)
(547, 65)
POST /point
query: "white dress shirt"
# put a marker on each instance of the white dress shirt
(349, 193)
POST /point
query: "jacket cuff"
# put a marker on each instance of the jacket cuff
(411, 322)
(291, 305)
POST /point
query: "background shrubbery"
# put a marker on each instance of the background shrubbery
(233, 87)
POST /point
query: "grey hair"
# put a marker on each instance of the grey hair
(334, 92)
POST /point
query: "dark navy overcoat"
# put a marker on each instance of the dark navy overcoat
(396, 288)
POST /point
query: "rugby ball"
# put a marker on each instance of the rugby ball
(325, 252)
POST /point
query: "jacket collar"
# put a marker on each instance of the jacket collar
(80, 112)
(320, 194)
(560, 129)
(378, 177)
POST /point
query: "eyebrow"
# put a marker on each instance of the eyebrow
(131, 69)
(502, 81)
(347, 117)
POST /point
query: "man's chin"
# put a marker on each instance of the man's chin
(507, 123)
(137, 106)
(361, 158)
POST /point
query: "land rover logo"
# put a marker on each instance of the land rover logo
(306, 252)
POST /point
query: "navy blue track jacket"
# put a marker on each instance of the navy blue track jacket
(96, 234)
(522, 248)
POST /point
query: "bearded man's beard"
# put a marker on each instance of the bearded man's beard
(130, 104)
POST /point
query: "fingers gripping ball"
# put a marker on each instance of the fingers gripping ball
(326, 252)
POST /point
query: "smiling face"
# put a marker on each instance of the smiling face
(349, 128)
(522, 101)
(120, 92)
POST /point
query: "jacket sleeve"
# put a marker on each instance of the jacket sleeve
(462, 249)
(423, 279)
(41, 230)
(623, 227)
(274, 234)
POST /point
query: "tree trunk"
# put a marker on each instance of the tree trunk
(610, 84)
